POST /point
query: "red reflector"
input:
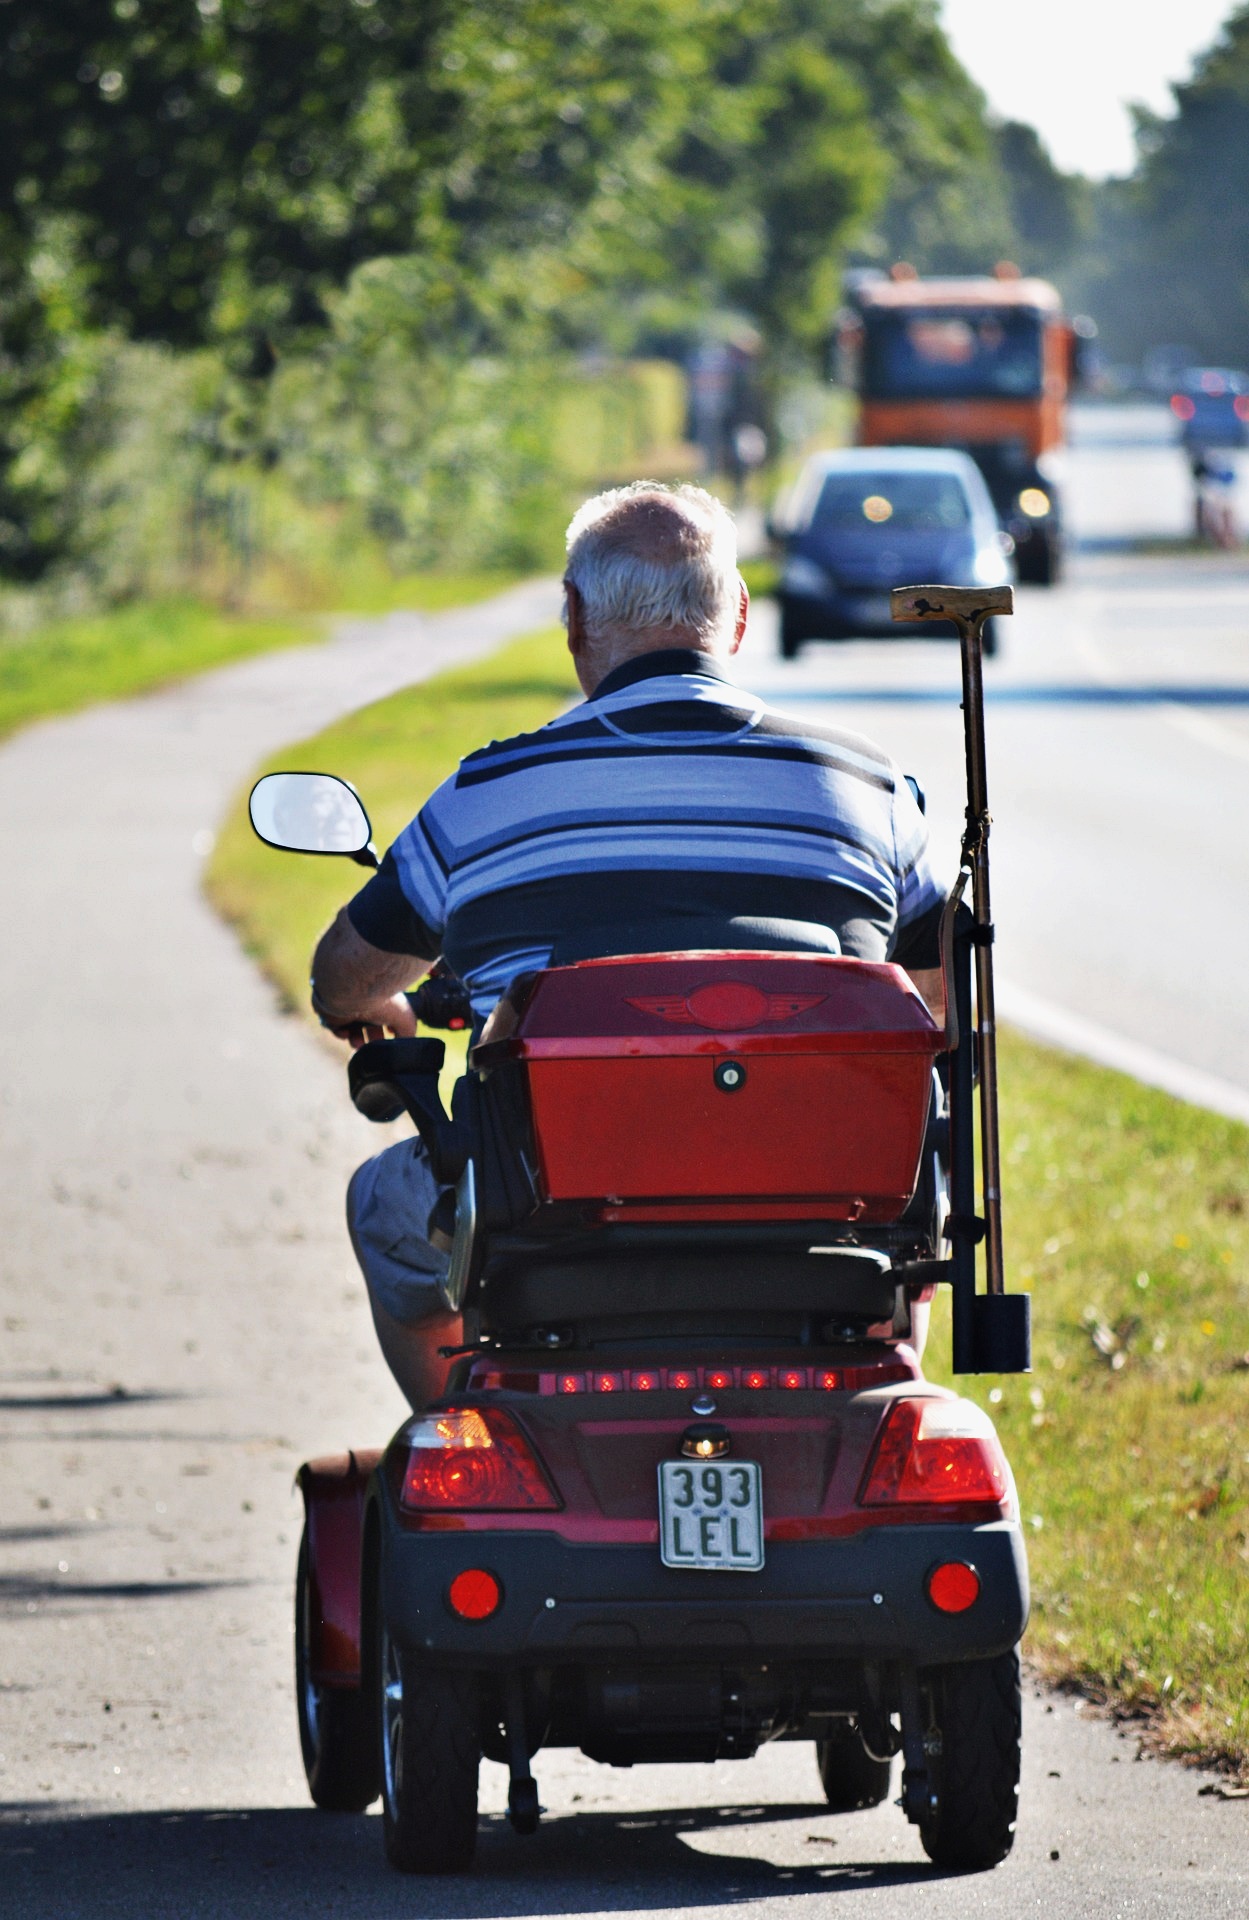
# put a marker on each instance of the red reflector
(720, 1378)
(757, 1377)
(936, 1453)
(793, 1377)
(1182, 406)
(474, 1594)
(953, 1586)
(683, 1380)
(608, 1383)
(468, 1459)
(644, 1382)
(572, 1383)
(829, 1379)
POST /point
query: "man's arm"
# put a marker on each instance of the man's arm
(357, 988)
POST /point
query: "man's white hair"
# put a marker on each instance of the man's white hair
(650, 556)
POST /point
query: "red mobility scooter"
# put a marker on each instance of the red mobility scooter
(688, 1490)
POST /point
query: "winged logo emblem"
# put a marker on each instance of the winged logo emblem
(727, 1005)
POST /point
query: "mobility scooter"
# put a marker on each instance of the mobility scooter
(687, 1489)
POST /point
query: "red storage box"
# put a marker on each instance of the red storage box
(727, 1085)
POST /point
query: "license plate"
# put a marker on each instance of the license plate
(711, 1515)
(873, 610)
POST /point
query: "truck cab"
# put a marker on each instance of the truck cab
(981, 364)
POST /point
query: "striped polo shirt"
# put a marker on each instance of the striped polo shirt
(671, 810)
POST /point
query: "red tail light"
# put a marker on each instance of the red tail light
(937, 1453)
(1182, 407)
(1240, 406)
(470, 1459)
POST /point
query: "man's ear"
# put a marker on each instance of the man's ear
(574, 619)
(743, 614)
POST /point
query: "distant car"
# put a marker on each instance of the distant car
(865, 519)
(1212, 407)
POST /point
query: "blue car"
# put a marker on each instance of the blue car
(865, 519)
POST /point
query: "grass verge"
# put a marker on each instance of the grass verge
(1127, 1215)
(70, 663)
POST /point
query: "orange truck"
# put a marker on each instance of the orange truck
(983, 364)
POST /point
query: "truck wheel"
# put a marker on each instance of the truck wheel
(850, 1777)
(791, 634)
(1040, 565)
(335, 1723)
(977, 1712)
(429, 1759)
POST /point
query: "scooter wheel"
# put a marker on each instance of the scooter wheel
(850, 1777)
(335, 1723)
(430, 1754)
(977, 1710)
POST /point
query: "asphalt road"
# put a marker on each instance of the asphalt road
(1118, 749)
(183, 1325)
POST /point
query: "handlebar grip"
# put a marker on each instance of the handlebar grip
(442, 1001)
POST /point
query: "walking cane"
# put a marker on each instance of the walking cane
(992, 1332)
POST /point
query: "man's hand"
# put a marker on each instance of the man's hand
(356, 987)
(393, 1016)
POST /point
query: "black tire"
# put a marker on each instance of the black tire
(792, 634)
(990, 639)
(429, 1755)
(1039, 563)
(977, 1710)
(850, 1777)
(335, 1723)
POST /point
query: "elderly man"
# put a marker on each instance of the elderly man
(670, 809)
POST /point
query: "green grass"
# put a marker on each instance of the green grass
(1127, 1216)
(65, 664)
(70, 663)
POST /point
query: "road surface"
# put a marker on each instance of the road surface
(1118, 747)
(183, 1324)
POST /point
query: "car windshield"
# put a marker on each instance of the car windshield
(910, 502)
(941, 355)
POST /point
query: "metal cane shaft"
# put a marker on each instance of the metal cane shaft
(986, 1020)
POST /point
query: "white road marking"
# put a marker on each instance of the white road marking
(1076, 1034)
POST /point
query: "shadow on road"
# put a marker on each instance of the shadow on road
(58, 1864)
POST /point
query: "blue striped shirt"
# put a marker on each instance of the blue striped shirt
(672, 809)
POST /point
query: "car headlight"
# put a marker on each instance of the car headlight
(1035, 502)
(803, 576)
(989, 567)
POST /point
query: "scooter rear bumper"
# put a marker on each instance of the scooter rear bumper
(858, 1598)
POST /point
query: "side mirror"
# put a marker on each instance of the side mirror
(311, 813)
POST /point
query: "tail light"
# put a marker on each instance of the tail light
(469, 1459)
(1240, 406)
(1182, 407)
(937, 1453)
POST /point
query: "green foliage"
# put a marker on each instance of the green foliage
(366, 246)
(1051, 211)
(1165, 262)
